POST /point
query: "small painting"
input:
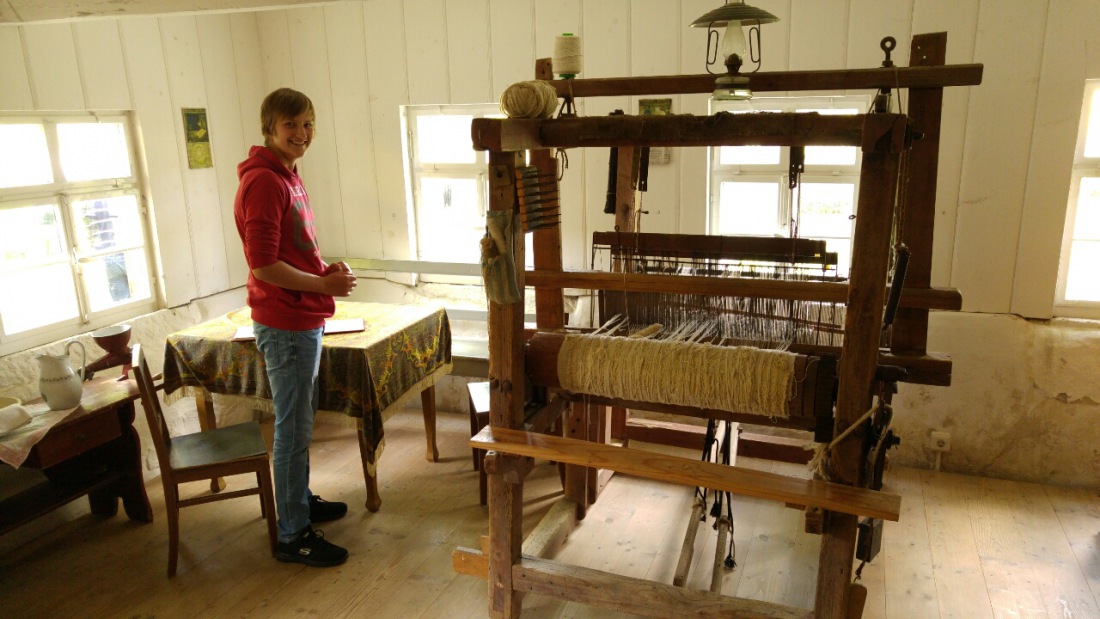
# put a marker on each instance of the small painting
(654, 107)
(198, 138)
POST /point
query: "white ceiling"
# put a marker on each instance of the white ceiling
(22, 11)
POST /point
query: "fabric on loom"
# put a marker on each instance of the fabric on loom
(737, 379)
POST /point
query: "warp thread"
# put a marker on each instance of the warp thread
(531, 99)
(567, 59)
(739, 379)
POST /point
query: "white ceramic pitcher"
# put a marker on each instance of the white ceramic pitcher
(59, 385)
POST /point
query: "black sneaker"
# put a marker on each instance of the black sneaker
(312, 549)
(321, 510)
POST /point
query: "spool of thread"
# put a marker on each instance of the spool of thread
(568, 61)
(532, 99)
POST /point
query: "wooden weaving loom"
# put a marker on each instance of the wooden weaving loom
(514, 437)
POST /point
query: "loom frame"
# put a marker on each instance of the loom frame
(512, 567)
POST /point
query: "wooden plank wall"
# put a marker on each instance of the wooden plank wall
(1006, 145)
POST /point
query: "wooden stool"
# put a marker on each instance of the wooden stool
(479, 418)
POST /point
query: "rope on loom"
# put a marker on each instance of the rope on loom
(530, 99)
(819, 464)
(738, 379)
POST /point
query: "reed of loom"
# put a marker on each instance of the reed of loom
(512, 566)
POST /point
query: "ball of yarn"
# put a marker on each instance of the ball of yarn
(532, 99)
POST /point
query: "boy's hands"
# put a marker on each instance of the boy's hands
(338, 279)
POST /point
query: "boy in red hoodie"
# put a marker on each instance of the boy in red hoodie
(290, 291)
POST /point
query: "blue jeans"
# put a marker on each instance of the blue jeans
(292, 359)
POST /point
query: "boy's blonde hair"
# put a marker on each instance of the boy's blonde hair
(282, 103)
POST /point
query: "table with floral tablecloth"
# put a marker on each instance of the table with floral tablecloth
(364, 375)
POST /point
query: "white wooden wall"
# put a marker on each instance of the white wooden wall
(1005, 157)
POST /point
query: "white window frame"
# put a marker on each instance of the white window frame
(61, 193)
(717, 173)
(415, 170)
(1083, 167)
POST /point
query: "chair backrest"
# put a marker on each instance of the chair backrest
(153, 413)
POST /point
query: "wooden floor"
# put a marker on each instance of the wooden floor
(965, 547)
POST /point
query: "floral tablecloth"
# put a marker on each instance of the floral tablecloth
(404, 349)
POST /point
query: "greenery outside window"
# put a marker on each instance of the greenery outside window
(74, 253)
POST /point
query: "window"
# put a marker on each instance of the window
(447, 183)
(749, 190)
(1078, 292)
(447, 186)
(73, 250)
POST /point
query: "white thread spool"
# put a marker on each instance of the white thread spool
(568, 61)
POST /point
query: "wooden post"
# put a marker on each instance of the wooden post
(858, 361)
(576, 477)
(549, 306)
(505, 475)
(910, 330)
(506, 389)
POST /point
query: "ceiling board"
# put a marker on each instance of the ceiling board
(25, 11)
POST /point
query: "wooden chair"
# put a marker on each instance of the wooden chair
(233, 450)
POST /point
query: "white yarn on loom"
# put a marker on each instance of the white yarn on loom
(532, 99)
(737, 379)
(567, 59)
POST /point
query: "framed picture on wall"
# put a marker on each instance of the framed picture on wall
(197, 134)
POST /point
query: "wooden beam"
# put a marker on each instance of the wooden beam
(856, 370)
(828, 292)
(625, 594)
(768, 447)
(546, 244)
(552, 531)
(691, 472)
(766, 81)
(722, 129)
(918, 195)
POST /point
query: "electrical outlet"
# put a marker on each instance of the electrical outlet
(940, 441)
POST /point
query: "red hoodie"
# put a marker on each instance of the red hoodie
(275, 222)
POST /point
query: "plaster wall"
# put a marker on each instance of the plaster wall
(1024, 402)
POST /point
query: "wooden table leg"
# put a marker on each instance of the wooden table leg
(427, 401)
(368, 456)
(204, 403)
(131, 487)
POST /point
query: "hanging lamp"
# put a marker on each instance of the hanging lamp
(734, 16)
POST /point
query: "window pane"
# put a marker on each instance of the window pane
(53, 299)
(830, 155)
(1081, 281)
(25, 159)
(104, 223)
(450, 224)
(31, 236)
(1092, 138)
(1086, 225)
(748, 208)
(116, 279)
(825, 210)
(444, 139)
(748, 155)
(843, 250)
(93, 151)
